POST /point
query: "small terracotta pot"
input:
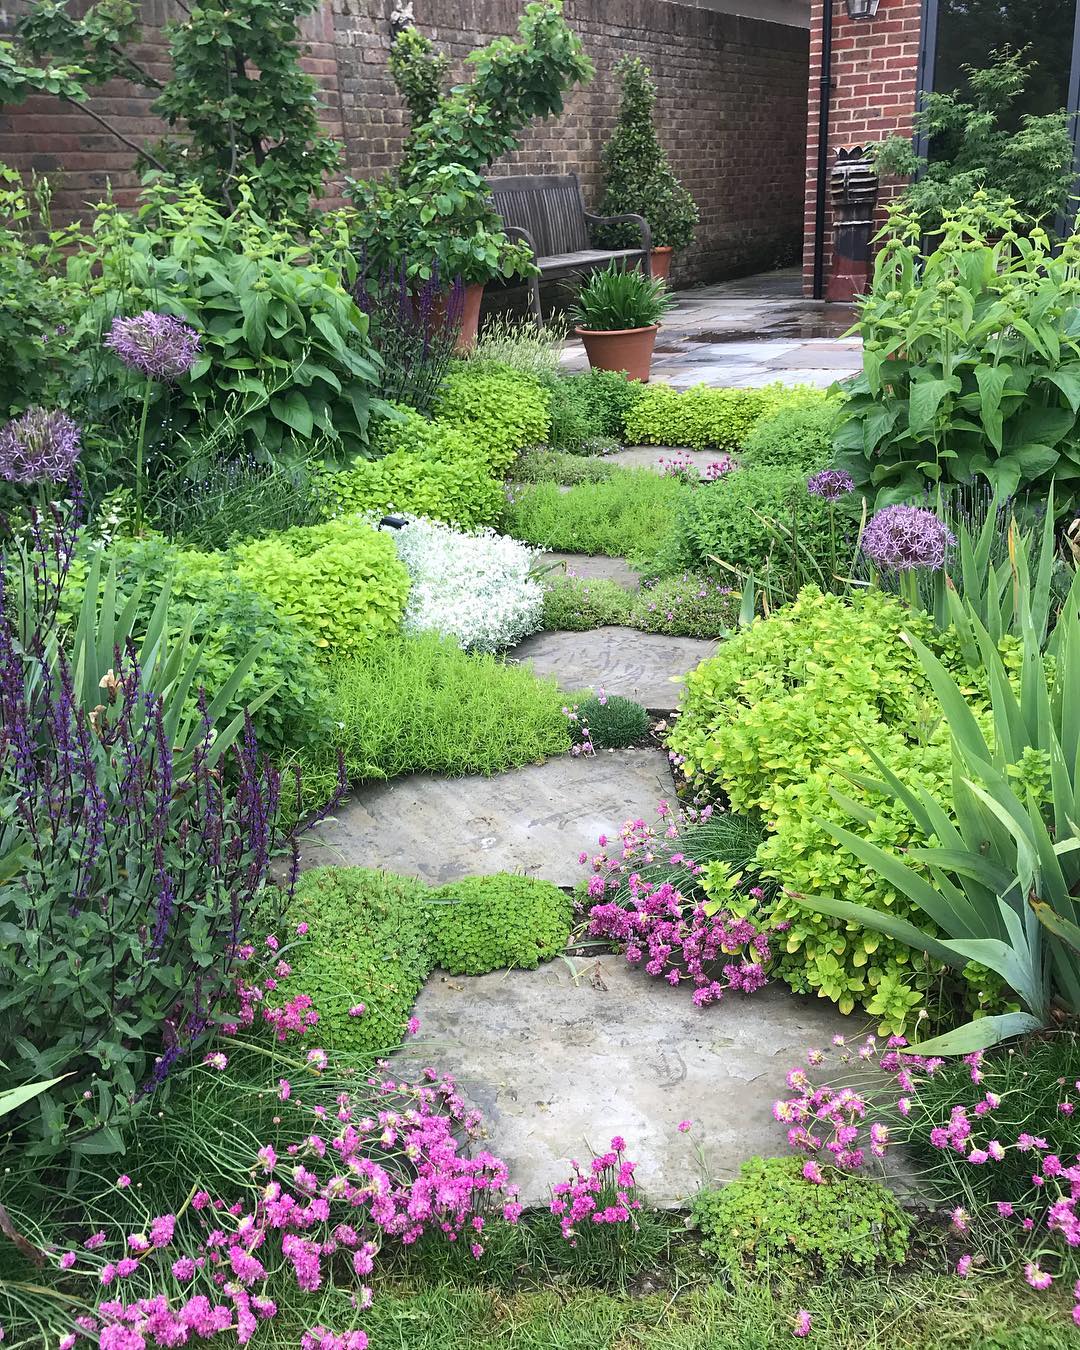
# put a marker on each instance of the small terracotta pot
(628, 349)
(661, 262)
(470, 315)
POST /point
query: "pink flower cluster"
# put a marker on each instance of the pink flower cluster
(604, 1193)
(835, 1121)
(682, 466)
(677, 934)
(393, 1172)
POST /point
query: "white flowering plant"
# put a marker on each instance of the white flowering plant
(474, 587)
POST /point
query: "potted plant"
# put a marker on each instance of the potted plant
(444, 227)
(638, 177)
(617, 315)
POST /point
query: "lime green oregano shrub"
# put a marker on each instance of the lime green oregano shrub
(365, 955)
(501, 410)
(488, 923)
(342, 582)
(703, 418)
(772, 1219)
(422, 468)
(774, 723)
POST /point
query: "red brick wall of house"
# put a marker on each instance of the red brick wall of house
(875, 85)
(731, 111)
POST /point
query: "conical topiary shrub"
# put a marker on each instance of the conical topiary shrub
(637, 175)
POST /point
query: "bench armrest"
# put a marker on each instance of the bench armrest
(639, 221)
(519, 232)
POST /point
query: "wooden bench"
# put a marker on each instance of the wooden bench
(548, 213)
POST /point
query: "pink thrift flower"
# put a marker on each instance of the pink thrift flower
(358, 1010)
(123, 1181)
(685, 1126)
(412, 1026)
(963, 1266)
(67, 1260)
(217, 1061)
(802, 1325)
(1038, 1279)
(317, 1060)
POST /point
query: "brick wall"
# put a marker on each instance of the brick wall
(731, 111)
(875, 85)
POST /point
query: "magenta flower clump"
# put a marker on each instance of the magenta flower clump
(903, 538)
(39, 445)
(831, 484)
(159, 346)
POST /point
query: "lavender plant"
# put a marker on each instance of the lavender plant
(134, 870)
(414, 325)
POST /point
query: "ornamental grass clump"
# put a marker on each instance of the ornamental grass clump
(613, 722)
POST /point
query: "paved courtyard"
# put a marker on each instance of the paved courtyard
(749, 333)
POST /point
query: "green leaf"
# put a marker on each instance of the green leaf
(925, 399)
(295, 412)
(977, 1035)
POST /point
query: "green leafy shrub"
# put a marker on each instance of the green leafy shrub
(498, 922)
(229, 617)
(613, 721)
(588, 411)
(610, 396)
(424, 469)
(542, 465)
(759, 520)
(775, 722)
(704, 418)
(575, 604)
(285, 358)
(501, 410)
(341, 582)
(952, 388)
(638, 179)
(798, 437)
(770, 1219)
(421, 704)
(367, 943)
(626, 514)
(688, 605)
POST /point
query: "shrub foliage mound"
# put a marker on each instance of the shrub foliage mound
(497, 922)
(771, 1218)
(704, 418)
(367, 944)
(500, 409)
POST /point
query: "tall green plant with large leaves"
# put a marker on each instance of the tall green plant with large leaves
(1000, 876)
(971, 364)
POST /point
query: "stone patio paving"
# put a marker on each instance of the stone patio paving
(561, 1058)
(749, 333)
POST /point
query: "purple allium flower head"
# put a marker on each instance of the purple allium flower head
(901, 538)
(39, 445)
(830, 484)
(160, 346)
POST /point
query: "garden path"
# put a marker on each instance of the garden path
(561, 1058)
(647, 667)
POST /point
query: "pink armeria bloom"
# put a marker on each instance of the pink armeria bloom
(1038, 1279)
(803, 1322)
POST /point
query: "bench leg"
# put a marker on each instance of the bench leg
(534, 301)
(646, 262)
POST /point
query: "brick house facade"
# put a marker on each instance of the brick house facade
(731, 110)
(873, 84)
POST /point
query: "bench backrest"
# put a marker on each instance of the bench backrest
(549, 206)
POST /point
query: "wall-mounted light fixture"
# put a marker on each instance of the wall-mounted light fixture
(863, 10)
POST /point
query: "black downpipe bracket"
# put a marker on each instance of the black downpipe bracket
(824, 99)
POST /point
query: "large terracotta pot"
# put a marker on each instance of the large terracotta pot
(470, 315)
(661, 262)
(628, 349)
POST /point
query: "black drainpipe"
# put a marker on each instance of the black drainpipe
(824, 99)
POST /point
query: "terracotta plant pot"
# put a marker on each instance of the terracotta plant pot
(470, 315)
(628, 349)
(661, 262)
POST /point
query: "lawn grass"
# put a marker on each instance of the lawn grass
(622, 516)
(883, 1313)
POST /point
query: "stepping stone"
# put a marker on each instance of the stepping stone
(647, 667)
(649, 456)
(592, 568)
(534, 820)
(561, 1058)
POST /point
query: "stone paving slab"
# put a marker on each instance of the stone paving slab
(534, 820)
(649, 456)
(561, 1058)
(592, 568)
(647, 667)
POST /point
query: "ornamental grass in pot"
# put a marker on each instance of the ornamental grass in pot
(617, 315)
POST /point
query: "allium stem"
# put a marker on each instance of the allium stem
(139, 453)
